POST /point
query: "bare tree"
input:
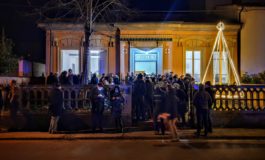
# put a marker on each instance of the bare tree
(87, 12)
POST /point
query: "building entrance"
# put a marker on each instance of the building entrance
(146, 60)
(70, 60)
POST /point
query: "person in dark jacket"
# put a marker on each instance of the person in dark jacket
(63, 78)
(172, 109)
(182, 104)
(97, 99)
(94, 79)
(70, 77)
(117, 102)
(209, 89)
(139, 93)
(55, 107)
(149, 97)
(14, 102)
(201, 101)
(159, 101)
(50, 79)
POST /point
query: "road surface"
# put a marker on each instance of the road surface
(132, 150)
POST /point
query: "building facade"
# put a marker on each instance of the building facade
(153, 48)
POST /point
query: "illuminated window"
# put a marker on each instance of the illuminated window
(94, 64)
(220, 68)
(70, 60)
(193, 64)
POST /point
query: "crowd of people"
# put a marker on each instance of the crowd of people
(166, 99)
(69, 78)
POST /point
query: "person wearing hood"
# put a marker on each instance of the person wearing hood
(201, 101)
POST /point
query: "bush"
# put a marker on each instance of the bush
(253, 78)
(8, 61)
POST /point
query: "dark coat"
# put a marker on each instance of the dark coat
(97, 100)
(211, 93)
(94, 80)
(56, 102)
(159, 101)
(183, 98)
(116, 102)
(202, 100)
(149, 89)
(172, 103)
(139, 88)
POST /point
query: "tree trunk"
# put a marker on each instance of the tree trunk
(86, 58)
(117, 48)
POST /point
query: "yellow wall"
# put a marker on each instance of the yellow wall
(184, 36)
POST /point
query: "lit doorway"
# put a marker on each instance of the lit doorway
(146, 60)
(70, 60)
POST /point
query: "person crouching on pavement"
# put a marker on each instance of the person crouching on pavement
(117, 103)
(97, 98)
(202, 100)
(55, 107)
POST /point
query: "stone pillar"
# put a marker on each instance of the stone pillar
(129, 56)
(174, 56)
(166, 56)
(179, 58)
(112, 60)
(48, 52)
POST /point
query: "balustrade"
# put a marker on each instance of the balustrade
(244, 97)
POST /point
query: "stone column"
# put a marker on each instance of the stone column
(48, 52)
(179, 58)
(166, 53)
(174, 56)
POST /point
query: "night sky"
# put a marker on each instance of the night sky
(30, 41)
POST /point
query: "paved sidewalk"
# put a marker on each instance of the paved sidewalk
(232, 133)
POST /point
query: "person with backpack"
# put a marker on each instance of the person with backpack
(201, 101)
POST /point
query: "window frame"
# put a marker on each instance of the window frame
(193, 50)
